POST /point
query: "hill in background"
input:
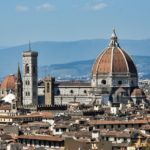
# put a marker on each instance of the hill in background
(83, 69)
(61, 53)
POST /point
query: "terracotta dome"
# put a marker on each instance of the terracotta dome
(9, 82)
(137, 93)
(114, 60)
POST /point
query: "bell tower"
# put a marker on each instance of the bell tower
(49, 90)
(30, 77)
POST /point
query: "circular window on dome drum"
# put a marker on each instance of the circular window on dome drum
(103, 81)
(84, 91)
(119, 82)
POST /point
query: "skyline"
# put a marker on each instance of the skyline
(69, 20)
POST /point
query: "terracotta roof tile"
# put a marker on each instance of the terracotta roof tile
(40, 137)
(103, 122)
(9, 82)
(114, 60)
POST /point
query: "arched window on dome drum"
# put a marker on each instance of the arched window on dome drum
(48, 87)
(27, 69)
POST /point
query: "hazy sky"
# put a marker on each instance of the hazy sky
(67, 20)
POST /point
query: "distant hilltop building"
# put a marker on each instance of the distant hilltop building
(114, 80)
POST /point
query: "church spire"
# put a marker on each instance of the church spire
(19, 73)
(19, 87)
(114, 39)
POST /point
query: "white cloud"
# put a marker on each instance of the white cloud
(95, 6)
(46, 7)
(22, 8)
(99, 6)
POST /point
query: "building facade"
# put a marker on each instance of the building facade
(73, 91)
(114, 80)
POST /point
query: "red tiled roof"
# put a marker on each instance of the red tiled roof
(36, 123)
(9, 82)
(116, 134)
(39, 137)
(5, 107)
(28, 116)
(114, 60)
(103, 122)
(47, 114)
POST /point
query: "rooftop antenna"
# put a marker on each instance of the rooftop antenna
(29, 45)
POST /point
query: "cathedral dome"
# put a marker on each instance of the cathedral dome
(114, 60)
(9, 82)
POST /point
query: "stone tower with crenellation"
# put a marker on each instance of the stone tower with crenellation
(49, 90)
